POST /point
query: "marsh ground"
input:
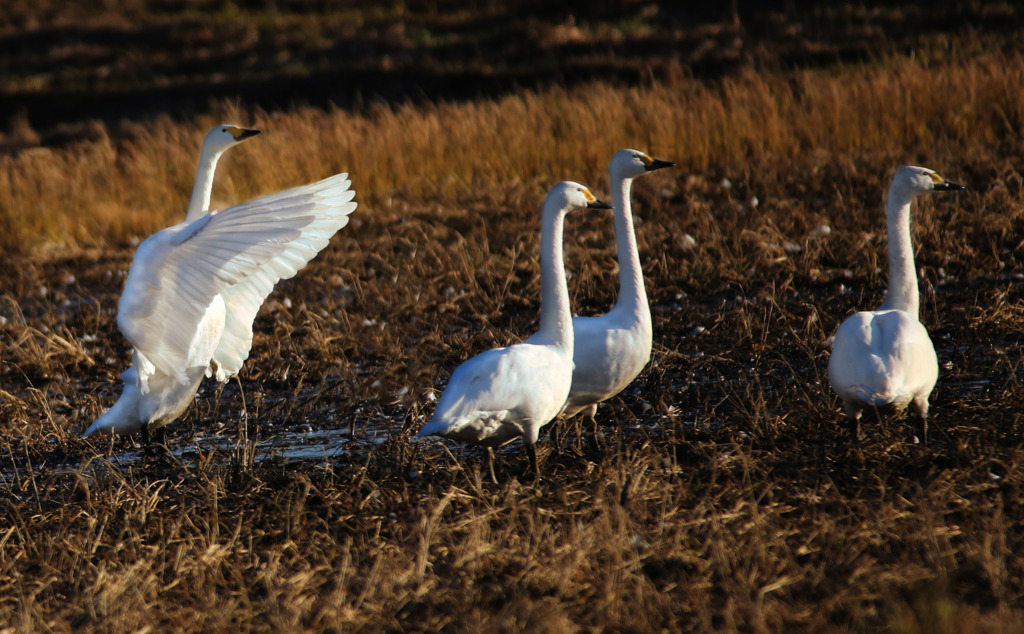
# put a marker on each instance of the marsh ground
(722, 493)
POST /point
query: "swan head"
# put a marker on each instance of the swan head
(633, 163)
(568, 196)
(912, 181)
(222, 137)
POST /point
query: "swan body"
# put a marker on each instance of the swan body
(885, 359)
(512, 392)
(612, 349)
(194, 289)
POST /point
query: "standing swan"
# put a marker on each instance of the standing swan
(194, 289)
(505, 393)
(884, 358)
(613, 348)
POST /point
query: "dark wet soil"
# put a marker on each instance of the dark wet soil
(63, 66)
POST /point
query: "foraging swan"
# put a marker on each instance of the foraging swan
(194, 289)
(612, 349)
(508, 392)
(884, 358)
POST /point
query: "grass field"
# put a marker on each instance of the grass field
(723, 493)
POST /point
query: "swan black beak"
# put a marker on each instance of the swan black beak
(598, 204)
(657, 164)
(246, 133)
(946, 186)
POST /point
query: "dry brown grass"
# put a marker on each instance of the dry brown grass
(761, 125)
(726, 496)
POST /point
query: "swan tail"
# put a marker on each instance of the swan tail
(433, 427)
(885, 400)
(122, 418)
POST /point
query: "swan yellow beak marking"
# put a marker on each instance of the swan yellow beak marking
(646, 160)
(590, 197)
(938, 180)
(240, 134)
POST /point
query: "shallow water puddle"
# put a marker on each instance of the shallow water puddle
(287, 447)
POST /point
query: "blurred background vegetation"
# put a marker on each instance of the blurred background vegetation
(64, 66)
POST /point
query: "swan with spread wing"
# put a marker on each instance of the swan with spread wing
(194, 289)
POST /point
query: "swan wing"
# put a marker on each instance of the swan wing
(882, 358)
(332, 200)
(177, 272)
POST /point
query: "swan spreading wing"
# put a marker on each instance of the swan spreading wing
(239, 253)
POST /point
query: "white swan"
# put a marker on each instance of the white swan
(612, 349)
(217, 141)
(884, 358)
(193, 289)
(506, 393)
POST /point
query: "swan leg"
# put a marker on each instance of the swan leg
(555, 438)
(531, 452)
(490, 464)
(245, 410)
(151, 439)
(595, 433)
(591, 413)
(921, 404)
(576, 427)
(853, 412)
(216, 399)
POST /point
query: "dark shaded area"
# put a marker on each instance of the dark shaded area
(61, 66)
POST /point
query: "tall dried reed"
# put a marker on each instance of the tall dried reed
(112, 190)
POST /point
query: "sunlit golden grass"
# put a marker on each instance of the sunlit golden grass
(725, 494)
(905, 111)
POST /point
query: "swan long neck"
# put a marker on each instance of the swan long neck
(199, 204)
(555, 315)
(632, 294)
(902, 293)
